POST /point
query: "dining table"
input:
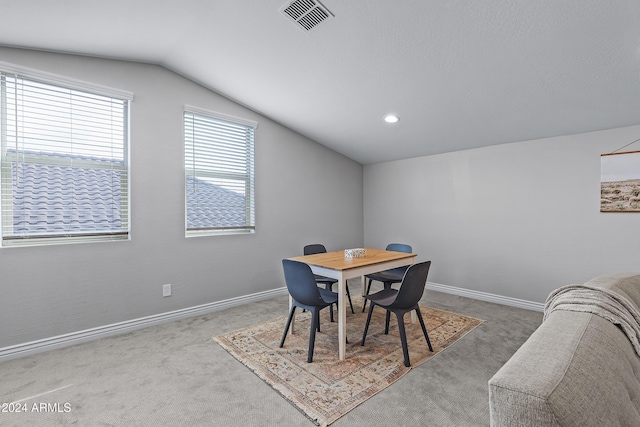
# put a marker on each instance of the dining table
(337, 265)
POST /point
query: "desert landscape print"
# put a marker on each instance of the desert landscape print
(620, 182)
(620, 196)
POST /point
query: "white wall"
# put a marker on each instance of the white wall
(516, 220)
(54, 290)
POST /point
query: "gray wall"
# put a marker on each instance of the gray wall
(53, 290)
(516, 220)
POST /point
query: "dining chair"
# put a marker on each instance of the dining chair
(400, 302)
(388, 277)
(318, 248)
(305, 294)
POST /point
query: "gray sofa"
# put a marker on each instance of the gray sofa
(576, 369)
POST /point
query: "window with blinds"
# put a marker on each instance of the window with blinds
(219, 173)
(64, 161)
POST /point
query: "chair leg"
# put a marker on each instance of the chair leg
(286, 329)
(349, 297)
(403, 339)
(328, 287)
(386, 322)
(364, 300)
(366, 325)
(315, 321)
(424, 329)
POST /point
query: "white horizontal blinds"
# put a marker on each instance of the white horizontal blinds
(64, 162)
(219, 173)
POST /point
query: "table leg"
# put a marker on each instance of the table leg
(342, 318)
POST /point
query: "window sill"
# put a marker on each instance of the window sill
(227, 232)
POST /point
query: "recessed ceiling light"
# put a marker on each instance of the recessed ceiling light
(391, 118)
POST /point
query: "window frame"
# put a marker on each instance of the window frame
(57, 237)
(249, 227)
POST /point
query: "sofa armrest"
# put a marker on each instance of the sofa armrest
(576, 369)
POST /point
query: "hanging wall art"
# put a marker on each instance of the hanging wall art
(620, 182)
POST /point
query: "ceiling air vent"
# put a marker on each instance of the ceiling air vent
(307, 14)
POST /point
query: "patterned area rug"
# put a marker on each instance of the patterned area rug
(328, 388)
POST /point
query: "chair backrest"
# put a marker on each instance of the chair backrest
(301, 283)
(412, 286)
(399, 247)
(315, 248)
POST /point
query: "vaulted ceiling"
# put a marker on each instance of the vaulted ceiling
(459, 74)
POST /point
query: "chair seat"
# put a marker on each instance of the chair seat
(324, 279)
(387, 276)
(384, 297)
(328, 296)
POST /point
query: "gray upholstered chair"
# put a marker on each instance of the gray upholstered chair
(317, 248)
(400, 302)
(388, 277)
(305, 294)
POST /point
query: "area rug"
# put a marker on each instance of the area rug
(328, 388)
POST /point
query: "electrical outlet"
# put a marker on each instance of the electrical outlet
(166, 290)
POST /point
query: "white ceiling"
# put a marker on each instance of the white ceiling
(460, 74)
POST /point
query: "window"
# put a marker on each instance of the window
(64, 159)
(218, 173)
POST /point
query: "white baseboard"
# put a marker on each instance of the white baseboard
(483, 296)
(60, 341)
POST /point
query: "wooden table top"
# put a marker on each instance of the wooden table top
(337, 261)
